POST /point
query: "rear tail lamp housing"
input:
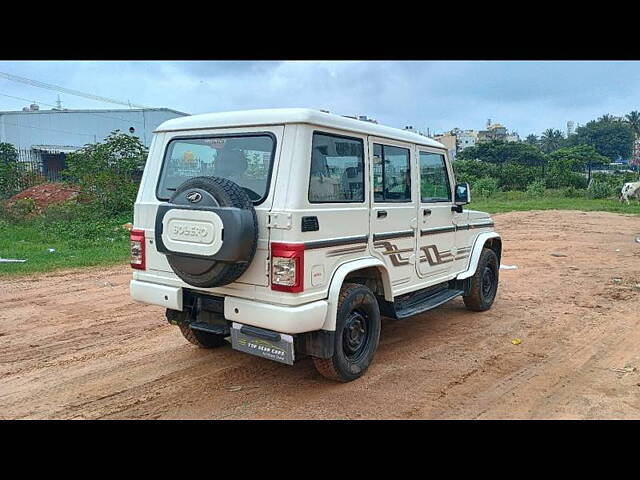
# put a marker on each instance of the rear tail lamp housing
(287, 267)
(138, 260)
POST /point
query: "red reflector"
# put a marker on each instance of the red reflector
(138, 257)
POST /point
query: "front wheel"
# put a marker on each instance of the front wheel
(484, 283)
(357, 335)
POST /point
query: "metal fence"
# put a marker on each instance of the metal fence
(40, 166)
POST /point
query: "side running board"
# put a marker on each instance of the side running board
(419, 302)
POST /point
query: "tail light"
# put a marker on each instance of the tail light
(137, 249)
(287, 267)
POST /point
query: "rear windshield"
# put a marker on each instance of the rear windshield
(243, 159)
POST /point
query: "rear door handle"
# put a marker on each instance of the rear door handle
(426, 212)
(382, 214)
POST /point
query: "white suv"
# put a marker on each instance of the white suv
(293, 230)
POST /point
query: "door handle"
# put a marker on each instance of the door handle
(426, 212)
(382, 214)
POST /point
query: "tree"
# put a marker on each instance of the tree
(611, 139)
(503, 152)
(513, 164)
(566, 165)
(551, 140)
(105, 171)
(532, 140)
(9, 172)
(633, 119)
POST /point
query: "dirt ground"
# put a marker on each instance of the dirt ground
(46, 194)
(73, 345)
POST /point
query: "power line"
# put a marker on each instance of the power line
(78, 93)
(102, 115)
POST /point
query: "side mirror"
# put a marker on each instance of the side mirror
(463, 194)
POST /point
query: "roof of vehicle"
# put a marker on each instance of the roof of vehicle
(279, 116)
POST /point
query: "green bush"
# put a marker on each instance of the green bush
(515, 195)
(485, 187)
(572, 192)
(72, 219)
(20, 210)
(9, 172)
(106, 171)
(601, 189)
(536, 189)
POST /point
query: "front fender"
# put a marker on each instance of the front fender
(338, 278)
(478, 245)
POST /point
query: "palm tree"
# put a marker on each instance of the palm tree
(633, 119)
(551, 140)
(606, 118)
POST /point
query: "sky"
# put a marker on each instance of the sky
(525, 96)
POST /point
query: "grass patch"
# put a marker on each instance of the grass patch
(501, 202)
(32, 240)
(83, 238)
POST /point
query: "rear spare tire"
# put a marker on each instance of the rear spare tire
(234, 211)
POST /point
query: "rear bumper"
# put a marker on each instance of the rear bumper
(155, 294)
(279, 318)
(299, 319)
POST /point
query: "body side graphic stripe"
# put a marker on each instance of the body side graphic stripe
(390, 235)
(335, 242)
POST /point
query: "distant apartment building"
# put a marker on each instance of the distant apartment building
(466, 139)
(448, 140)
(457, 140)
(499, 132)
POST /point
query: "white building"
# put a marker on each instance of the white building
(45, 137)
(466, 139)
(71, 129)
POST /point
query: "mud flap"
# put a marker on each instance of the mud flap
(263, 343)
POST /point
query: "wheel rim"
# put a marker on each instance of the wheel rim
(488, 282)
(355, 335)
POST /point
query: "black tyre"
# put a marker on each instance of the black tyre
(484, 283)
(357, 335)
(200, 339)
(206, 273)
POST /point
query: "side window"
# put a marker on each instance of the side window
(434, 180)
(337, 169)
(391, 174)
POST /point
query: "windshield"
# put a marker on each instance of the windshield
(243, 159)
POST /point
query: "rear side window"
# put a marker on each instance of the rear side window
(391, 174)
(337, 169)
(243, 159)
(434, 180)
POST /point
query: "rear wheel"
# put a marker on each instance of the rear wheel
(484, 283)
(357, 335)
(201, 339)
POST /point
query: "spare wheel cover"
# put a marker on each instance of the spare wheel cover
(208, 231)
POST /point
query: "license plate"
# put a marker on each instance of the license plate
(278, 348)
